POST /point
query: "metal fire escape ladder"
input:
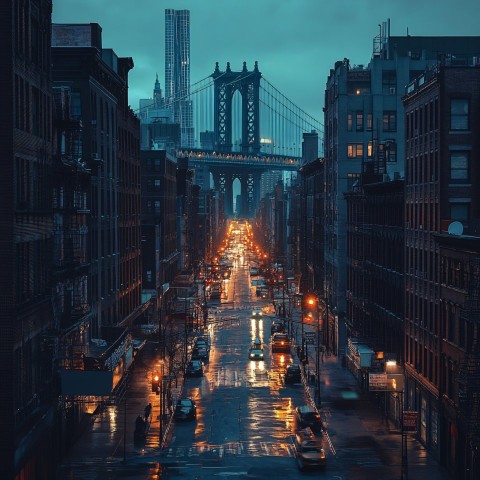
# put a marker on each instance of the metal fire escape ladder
(469, 370)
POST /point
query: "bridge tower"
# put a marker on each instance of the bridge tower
(225, 85)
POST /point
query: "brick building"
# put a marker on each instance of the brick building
(26, 318)
(442, 112)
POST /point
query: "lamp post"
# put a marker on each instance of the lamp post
(317, 363)
(396, 384)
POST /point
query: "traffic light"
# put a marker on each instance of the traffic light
(156, 383)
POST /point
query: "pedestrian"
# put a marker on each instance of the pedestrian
(147, 412)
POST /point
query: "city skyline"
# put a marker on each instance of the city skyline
(295, 43)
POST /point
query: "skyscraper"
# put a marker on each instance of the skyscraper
(177, 71)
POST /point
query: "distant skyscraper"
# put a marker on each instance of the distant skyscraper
(177, 71)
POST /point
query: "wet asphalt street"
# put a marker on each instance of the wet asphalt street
(245, 414)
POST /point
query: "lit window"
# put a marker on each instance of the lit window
(355, 150)
(370, 149)
(459, 114)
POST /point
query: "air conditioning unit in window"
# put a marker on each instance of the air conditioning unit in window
(393, 90)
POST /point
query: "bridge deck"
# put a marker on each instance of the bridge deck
(256, 162)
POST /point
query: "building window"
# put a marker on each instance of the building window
(460, 211)
(157, 184)
(359, 121)
(389, 82)
(369, 122)
(353, 180)
(349, 122)
(459, 114)
(370, 149)
(355, 150)
(389, 121)
(157, 207)
(75, 106)
(391, 152)
(459, 167)
(149, 276)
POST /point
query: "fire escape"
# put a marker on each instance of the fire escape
(70, 257)
(469, 371)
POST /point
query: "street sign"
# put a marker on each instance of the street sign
(410, 421)
(377, 382)
(310, 338)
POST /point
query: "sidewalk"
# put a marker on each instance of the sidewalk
(356, 425)
(108, 442)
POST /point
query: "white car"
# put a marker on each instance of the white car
(256, 353)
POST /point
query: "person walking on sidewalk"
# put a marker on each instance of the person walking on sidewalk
(147, 412)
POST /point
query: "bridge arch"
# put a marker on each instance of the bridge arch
(225, 85)
(223, 179)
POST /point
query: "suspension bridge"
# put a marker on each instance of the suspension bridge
(238, 125)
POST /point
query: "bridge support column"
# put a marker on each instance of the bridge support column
(244, 193)
(217, 183)
(228, 199)
(257, 178)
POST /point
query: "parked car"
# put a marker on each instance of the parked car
(293, 374)
(186, 409)
(309, 451)
(215, 294)
(201, 342)
(307, 416)
(200, 353)
(277, 327)
(280, 343)
(194, 368)
(260, 290)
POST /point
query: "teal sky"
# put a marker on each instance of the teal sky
(296, 42)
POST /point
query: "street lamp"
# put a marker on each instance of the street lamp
(309, 302)
(396, 384)
(317, 363)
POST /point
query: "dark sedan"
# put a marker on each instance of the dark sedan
(277, 327)
(194, 368)
(293, 374)
(186, 409)
(200, 353)
(307, 416)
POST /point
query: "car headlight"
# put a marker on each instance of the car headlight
(252, 355)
